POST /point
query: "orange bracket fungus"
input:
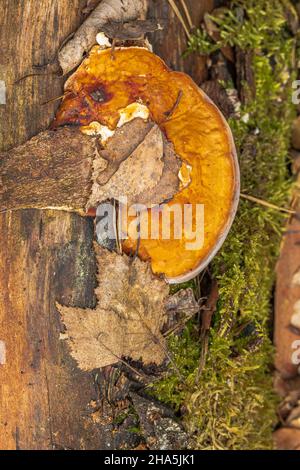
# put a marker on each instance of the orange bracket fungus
(104, 95)
(128, 127)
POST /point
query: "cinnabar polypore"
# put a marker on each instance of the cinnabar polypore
(105, 84)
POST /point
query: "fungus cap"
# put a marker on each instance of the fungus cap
(99, 92)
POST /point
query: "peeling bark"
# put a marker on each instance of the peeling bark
(85, 37)
(52, 170)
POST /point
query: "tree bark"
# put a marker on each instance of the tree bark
(46, 401)
(45, 256)
(171, 43)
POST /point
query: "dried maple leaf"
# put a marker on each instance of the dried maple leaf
(127, 320)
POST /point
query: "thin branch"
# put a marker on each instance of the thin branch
(264, 203)
(133, 369)
(53, 99)
(170, 113)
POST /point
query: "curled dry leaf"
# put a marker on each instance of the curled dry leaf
(127, 320)
(180, 307)
(183, 301)
(142, 166)
(85, 37)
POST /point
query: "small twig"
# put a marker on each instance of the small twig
(54, 74)
(187, 13)
(138, 243)
(133, 369)
(113, 48)
(54, 99)
(170, 113)
(180, 17)
(204, 351)
(264, 203)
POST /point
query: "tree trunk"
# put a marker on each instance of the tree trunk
(46, 401)
(45, 256)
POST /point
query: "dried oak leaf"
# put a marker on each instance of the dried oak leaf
(127, 320)
(141, 165)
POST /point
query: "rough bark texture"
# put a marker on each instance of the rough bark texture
(52, 170)
(286, 295)
(171, 43)
(46, 256)
(46, 402)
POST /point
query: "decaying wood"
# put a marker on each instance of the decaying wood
(245, 74)
(45, 256)
(171, 42)
(226, 100)
(286, 296)
(46, 401)
(65, 169)
(52, 170)
(159, 425)
(85, 37)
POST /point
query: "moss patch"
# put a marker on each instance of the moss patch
(232, 405)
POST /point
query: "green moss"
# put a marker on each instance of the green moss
(232, 405)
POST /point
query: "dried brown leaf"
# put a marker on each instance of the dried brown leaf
(127, 320)
(141, 165)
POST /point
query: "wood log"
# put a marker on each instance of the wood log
(46, 256)
(171, 43)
